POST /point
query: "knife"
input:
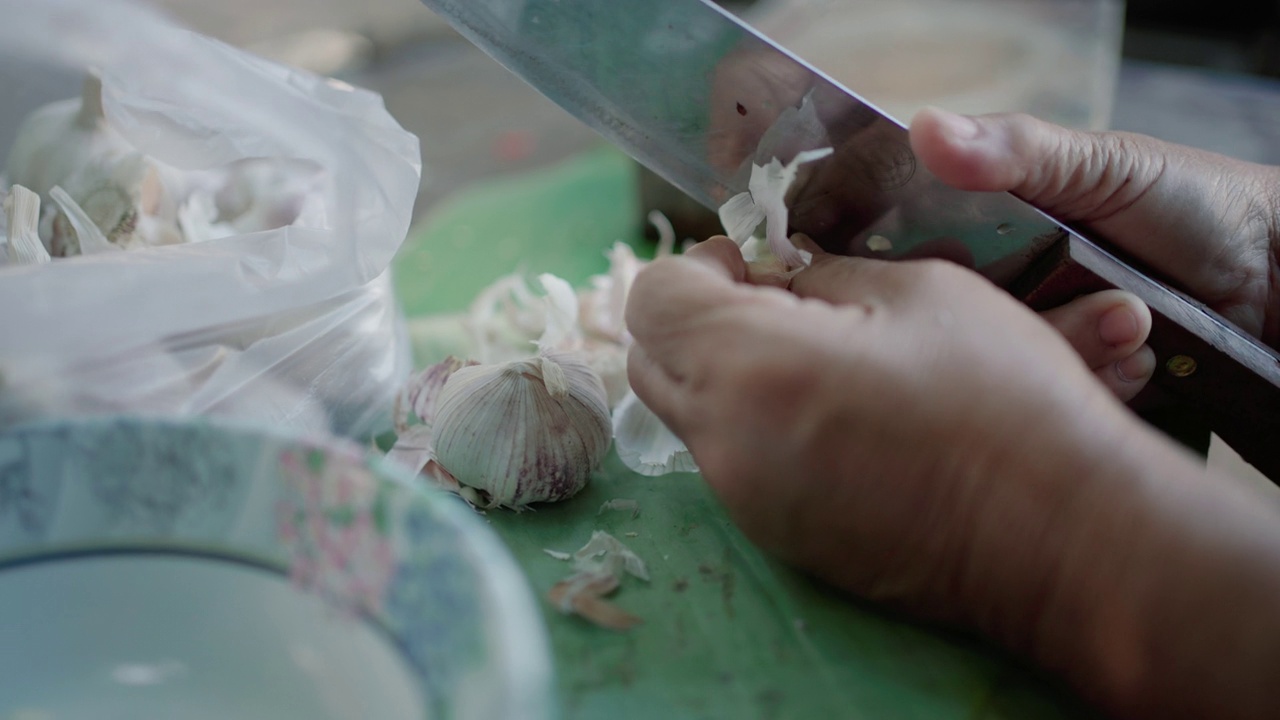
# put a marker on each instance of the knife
(698, 96)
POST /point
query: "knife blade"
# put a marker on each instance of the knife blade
(698, 96)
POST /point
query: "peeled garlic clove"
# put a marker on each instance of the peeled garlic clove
(527, 431)
(22, 210)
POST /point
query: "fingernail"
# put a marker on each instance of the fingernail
(1118, 326)
(1137, 366)
(959, 127)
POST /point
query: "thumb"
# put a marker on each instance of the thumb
(1078, 176)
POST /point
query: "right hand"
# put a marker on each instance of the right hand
(1210, 223)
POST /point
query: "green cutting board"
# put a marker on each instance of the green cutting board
(727, 632)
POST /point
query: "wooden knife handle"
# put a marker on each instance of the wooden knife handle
(1203, 362)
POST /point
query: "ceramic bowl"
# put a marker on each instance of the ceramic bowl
(178, 569)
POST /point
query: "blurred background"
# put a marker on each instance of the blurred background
(1179, 69)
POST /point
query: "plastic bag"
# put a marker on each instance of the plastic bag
(296, 326)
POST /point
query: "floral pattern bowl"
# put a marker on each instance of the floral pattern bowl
(193, 569)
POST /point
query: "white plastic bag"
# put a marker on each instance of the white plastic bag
(295, 326)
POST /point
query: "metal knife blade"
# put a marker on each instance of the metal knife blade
(697, 96)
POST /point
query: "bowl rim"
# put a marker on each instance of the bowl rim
(516, 638)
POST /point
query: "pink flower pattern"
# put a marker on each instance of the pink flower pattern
(329, 523)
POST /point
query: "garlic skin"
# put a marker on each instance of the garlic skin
(522, 432)
(765, 201)
(22, 213)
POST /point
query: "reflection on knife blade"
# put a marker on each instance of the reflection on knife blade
(697, 96)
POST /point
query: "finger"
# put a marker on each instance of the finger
(662, 394)
(674, 298)
(1078, 175)
(1103, 327)
(943, 248)
(1128, 376)
(1171, 206)
(840, 280)
(863, 281)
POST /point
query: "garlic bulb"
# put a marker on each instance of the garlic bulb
(56, 140)
(521, 432)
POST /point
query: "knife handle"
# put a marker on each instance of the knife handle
(1203, 363)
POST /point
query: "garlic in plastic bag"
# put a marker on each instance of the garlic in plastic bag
(58, 139)
(305, 306)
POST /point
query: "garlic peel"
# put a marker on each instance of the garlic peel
(412, 449)
(22, 211)
(561, 326)
(424, 390)
(765, 199)
(584, 594)
(644, 443)
(606, 552)
(413, 452)
(554, 378)
(621, 504)
(90, 239)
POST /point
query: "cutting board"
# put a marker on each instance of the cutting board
(728, 632)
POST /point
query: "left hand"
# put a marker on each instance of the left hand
(1109, 330)
(905, 430)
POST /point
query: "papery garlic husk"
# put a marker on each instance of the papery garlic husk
(765, 201)
(22, 216)
(522, 432)
(645, 444)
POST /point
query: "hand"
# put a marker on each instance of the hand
(1211, 223)
(911, 434)
(905, 430)
(1108, 330)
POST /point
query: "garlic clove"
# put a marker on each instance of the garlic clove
(22, 212)
(56, 140)
(645, 444)
(521, 432)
